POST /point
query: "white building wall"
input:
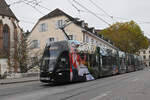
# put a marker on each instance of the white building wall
(145, 54)
(3, 66)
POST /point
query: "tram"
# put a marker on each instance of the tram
(72, 61)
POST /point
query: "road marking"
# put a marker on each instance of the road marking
(101, 96)
(134, 80)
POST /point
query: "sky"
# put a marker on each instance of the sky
(120, 10)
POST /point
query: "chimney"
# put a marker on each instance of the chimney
(86, 24)
(82, 23)
(93, 30)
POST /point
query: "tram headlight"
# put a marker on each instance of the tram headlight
(50, 72)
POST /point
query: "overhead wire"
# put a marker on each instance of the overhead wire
(91, 12)
(34, 7)
(102, 10)
(78, 10)
(32, 3)
(36, 3)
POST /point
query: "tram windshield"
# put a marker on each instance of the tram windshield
(51, 55)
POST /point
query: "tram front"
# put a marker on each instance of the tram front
(55, 63)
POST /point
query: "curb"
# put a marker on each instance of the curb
(5, 83)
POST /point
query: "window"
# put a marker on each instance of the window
(144, 57)
(84, 38)
(87, 39)
(143, 52)
(51, 39)
(92, 41)
(6, 37)
(59, 23)
(149, 63)
(35, 44)
(149, 56)
(96, 42)
(43, 27)
(149, 52)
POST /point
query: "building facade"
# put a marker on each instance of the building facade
(47, 29)
(9, 33)
(145, 54)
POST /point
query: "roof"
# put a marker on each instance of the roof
(55, 13)
(5, 10)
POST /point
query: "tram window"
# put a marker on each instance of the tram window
(93, 60)
(63, 61)
(121, 61)
(110, 61)
(105, 60)
(128, 61)
(114, 61)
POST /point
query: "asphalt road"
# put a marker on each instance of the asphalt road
(130, 86)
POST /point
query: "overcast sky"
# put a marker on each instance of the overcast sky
(121, 10)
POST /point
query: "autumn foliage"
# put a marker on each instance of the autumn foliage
(127, 36)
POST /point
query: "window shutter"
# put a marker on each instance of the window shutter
(74, 37)
(31, 46)
(40, 28)
(56, 25)
(46, 27)
(38, 43)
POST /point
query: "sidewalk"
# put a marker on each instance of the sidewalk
(18, 80)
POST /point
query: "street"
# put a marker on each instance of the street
(130, 86)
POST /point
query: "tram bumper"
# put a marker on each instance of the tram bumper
(46, 77)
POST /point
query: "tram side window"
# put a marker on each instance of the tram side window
(110, 60)
(121, 61)
(132, 61)
(93, 60)
(106, 60)
(114, 61)
(129, 63)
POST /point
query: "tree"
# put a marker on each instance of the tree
(127, 36)
(18, 57)
(21, 55)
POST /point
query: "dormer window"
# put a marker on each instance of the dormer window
(60, 24)
(43, 27)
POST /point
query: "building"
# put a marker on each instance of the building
(47, 29)
(9, 32)
(145, 54)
